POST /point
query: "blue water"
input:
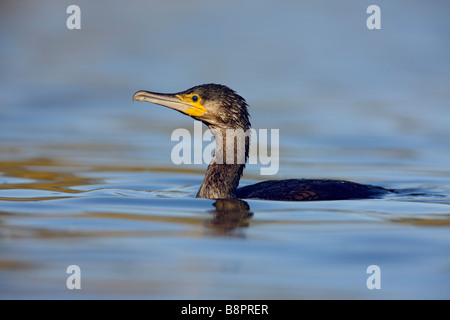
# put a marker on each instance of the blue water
(86, 176)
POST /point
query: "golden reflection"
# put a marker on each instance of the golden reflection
(15, 265)
(442, 221)
(42, 175)
(48, 175)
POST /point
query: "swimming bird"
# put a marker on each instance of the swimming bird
(225, 112)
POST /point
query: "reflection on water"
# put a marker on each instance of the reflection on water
(36, 176)
(133, 241)
(229, 215)
(86, 176)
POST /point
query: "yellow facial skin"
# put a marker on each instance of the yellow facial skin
(194, 100)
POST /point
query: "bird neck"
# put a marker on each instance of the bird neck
(227, 165)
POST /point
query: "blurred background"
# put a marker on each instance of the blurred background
(371, 106)
(310, 69)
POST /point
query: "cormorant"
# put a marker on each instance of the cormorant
(222, 109)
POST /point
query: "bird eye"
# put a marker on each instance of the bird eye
(195, 98)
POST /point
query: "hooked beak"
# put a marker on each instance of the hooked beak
(172, 101)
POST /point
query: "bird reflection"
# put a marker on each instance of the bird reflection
(228, 215)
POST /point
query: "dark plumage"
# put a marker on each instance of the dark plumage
(221, 109)
(309, 190)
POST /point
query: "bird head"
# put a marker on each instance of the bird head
(214, 104)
